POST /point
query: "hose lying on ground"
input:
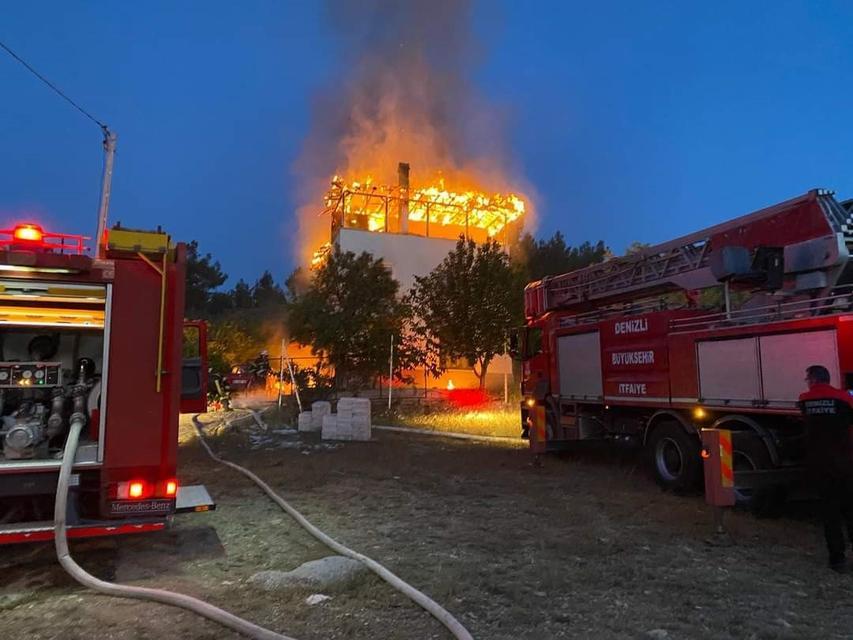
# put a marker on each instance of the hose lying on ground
(124, 591)
(430, 605)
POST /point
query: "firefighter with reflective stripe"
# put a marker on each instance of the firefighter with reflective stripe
(828, 411)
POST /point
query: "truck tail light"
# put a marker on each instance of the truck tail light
(143, 489)
(132, 490)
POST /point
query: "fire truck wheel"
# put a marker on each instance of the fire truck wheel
(675, 457)
(751, 454)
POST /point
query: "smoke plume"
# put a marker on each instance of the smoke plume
(404, 93)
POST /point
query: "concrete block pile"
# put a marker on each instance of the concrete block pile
(313, 420)
(330, 425)
(318, 410)
(351, 422)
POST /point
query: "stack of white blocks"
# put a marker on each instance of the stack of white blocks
(304, 421)
(352, 422)
(313, 420)
(318, 410)
(330, 427)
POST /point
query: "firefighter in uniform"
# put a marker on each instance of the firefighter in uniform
(828, 411)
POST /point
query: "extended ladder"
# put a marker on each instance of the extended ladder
(807, 227)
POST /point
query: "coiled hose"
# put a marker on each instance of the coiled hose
(162, 596)
(427, 603)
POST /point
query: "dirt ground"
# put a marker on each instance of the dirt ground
(584, 546)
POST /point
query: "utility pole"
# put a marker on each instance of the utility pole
(106, 186)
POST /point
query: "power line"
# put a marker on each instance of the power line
(54, 87)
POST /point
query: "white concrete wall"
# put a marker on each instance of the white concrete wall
(407, 255)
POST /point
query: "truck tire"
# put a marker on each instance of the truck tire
(749, 453)
(675, 457)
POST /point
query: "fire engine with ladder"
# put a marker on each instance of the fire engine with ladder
(98, 339)
(705, 338)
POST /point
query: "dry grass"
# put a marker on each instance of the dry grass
(501, 421)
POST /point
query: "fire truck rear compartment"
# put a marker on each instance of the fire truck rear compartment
(52, 360)
(46, 375)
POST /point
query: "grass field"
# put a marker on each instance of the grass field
(494, 421)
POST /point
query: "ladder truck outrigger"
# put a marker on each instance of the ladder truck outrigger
(705, 336)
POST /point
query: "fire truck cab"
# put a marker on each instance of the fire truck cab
(102, 337)
(710, 331)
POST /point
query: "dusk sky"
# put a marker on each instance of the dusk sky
(629, 120)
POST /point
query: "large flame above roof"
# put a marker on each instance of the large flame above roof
(406, 91)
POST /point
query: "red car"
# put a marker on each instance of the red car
(240, 378)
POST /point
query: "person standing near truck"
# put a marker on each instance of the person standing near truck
(828, 412)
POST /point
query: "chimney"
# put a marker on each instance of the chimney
(403, 202)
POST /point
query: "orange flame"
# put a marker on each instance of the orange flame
(361, 204)
(406, 96)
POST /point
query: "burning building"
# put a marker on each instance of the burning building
(413, 228)
(405, 91)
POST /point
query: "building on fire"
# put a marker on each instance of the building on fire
(413, 229)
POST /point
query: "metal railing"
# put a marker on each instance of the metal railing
(646, 306)
(839, 302)
(62, 243)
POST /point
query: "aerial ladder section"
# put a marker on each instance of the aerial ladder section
(805, 241)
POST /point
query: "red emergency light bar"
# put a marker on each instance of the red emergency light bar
(28, 237)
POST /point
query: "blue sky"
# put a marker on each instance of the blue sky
(631, 120)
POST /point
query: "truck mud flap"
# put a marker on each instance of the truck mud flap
(193, 498)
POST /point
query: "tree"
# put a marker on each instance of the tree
(203, 276)
(539, 258)
(348, 314)
(636, 247)
(296, 284)
(229, 343)
(241, 295)
(219, 303)
(468, 304)
(266, 292)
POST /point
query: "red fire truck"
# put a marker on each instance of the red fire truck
(712, 330)
(104, 337)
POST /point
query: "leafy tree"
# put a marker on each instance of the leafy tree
(468, 303)
(348, 314)
(204, 274)
(229, 343)
(266, 292)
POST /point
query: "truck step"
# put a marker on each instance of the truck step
(193, 498)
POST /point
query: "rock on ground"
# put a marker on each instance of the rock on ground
(325, 573)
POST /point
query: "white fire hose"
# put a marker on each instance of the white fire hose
(200, 607)
(421, 599)
(162, 596)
